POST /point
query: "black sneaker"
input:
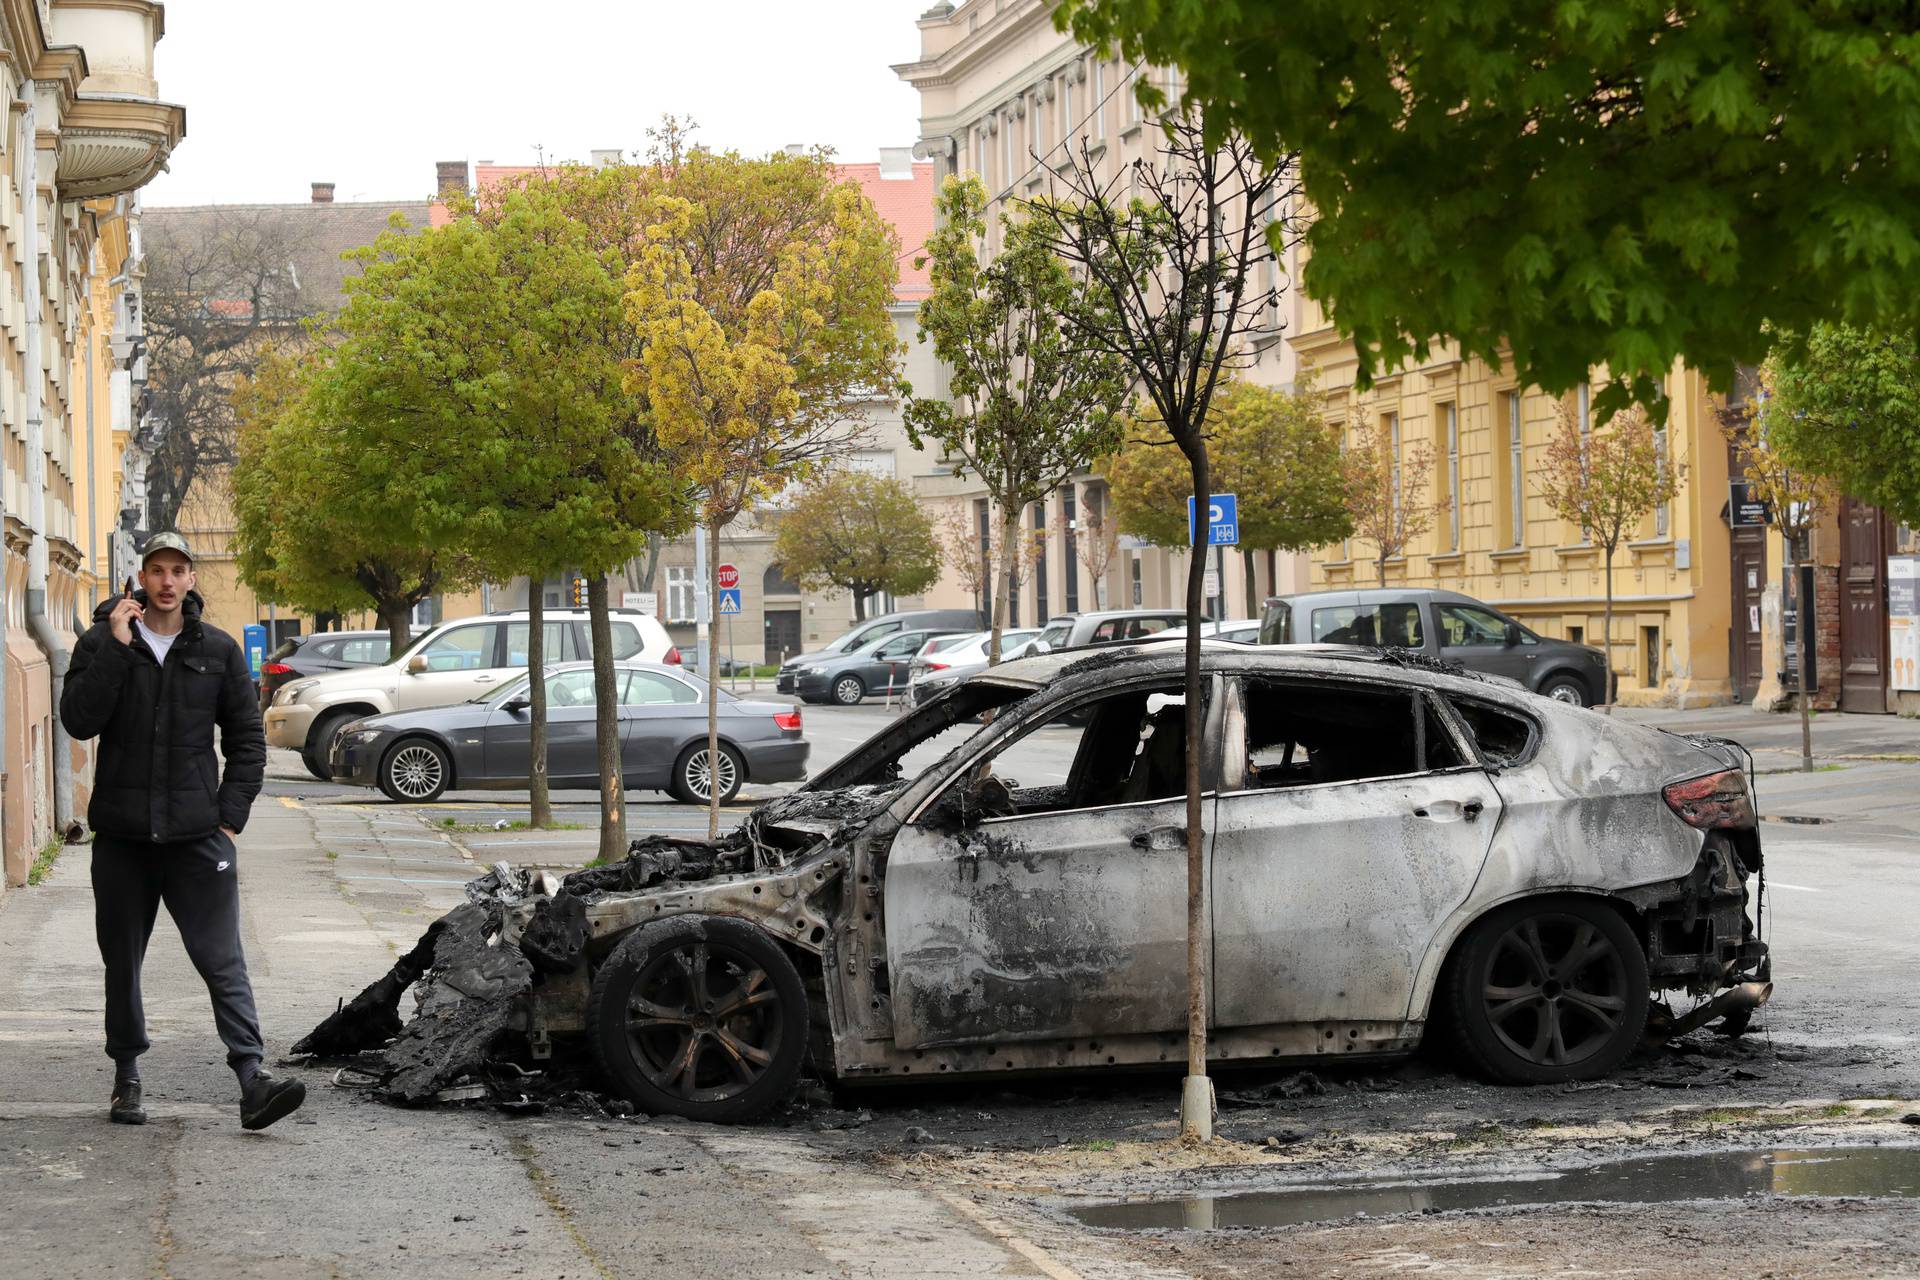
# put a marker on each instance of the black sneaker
(125, 1107)
(264, 1099)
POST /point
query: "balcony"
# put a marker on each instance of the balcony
(115, 133)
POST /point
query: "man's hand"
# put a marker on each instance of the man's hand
(125, 610)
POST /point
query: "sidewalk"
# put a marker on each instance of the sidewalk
(1836, 736)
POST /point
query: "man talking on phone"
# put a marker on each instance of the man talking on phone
(152, 681)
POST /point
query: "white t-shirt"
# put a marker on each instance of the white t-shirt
(155, 641)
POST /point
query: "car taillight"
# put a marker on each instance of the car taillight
(788, 719)
(275, 669)
(673, 656)
(938, 666)
(1716, 800)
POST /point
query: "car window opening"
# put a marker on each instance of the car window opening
(1306, 735)
(1503, 738)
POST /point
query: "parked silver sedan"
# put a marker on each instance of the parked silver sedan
(1389, 847)
(485, 744)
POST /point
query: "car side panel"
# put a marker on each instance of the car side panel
(1584, 815)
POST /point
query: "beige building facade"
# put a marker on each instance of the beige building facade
(85, 130)
(1006, 96)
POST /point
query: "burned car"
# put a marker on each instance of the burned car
(1391, 846)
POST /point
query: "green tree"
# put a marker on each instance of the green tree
(759, 298)
(1847, 407)
(1605, 481)
(1617, 182)
(860, 532)
(489, 358)
(1029, 407)
(1274, 449)
(300, 486)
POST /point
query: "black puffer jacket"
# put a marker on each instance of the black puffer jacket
(156, 777)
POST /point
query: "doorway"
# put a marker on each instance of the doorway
(1864, 539)
(782, 634)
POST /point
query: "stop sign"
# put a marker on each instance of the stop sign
(727, 576)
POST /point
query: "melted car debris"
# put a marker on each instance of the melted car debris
(470, 979)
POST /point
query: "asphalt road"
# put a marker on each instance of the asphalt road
(336, 880)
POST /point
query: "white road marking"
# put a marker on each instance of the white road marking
(1797, 888)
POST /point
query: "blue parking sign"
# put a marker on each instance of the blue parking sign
(729, 600)
(1223, 521)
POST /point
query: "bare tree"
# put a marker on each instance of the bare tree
(1097, 541)
(221, 287)
(1179, 252)
(1386, 490)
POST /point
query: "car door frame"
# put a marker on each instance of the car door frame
(445, 693)
(1056, 995)
(1451, 817)
(1518, 660)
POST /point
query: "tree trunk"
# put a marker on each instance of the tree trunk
(1197, 947)
(606, 725)
(1009, 575)
(859, 606)
(396, 615)
(712, 661)
(1606, 639)
(540, 802)
(1253, 583)
(1380, 566)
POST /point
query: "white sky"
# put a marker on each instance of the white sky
(369, 95)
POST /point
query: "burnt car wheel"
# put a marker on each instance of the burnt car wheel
(849, 690)
(415, 771)
(693, 778)
(1567, 689)
(701, 1017)
(1544, 992)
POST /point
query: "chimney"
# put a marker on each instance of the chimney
(604, 159)
(450, 178)
(896, 162)
(796, 148)
(323, 193)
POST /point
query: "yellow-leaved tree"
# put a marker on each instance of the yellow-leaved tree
(760, 300)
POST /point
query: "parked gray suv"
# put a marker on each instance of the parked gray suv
(1443, 624)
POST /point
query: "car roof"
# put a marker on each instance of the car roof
(1378, 595)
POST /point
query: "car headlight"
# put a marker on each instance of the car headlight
(359, 737)
(291, 694)
(814, 671)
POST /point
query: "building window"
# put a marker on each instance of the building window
(1650, 657)
(1515, 530)
(1133, 98)
(681, 605)
(1040, 614)
(1662, 514)
(983, 520)
(1393, 442)
(1068, 125)
(1070, 560)
(1448, 447)
(1585, 411)
(1137, 596)
(1098, 97)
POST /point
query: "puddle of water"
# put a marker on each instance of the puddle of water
(1716, 1175)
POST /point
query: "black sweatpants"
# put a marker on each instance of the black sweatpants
(199, 882)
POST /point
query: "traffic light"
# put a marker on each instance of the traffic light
(578, 593)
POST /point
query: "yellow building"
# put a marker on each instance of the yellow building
(1673, 583)
(85, 131)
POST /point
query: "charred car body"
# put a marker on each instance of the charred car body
(1390, 845)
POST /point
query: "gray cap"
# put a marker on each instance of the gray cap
(167, 541)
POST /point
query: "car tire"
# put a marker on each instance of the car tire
(320, 741)
(689, 770)
(1568, 689)
(415, 771)
(1545, 991)
(675, 1039)
(848, 691)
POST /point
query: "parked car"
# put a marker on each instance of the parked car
(1441, 624)
(942, 621)
(414, 756)
(1390, 848)
(968, 650)
(318, 654)
(1106, 626)
(453, 662)
(1233, 631)
(848, 678)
